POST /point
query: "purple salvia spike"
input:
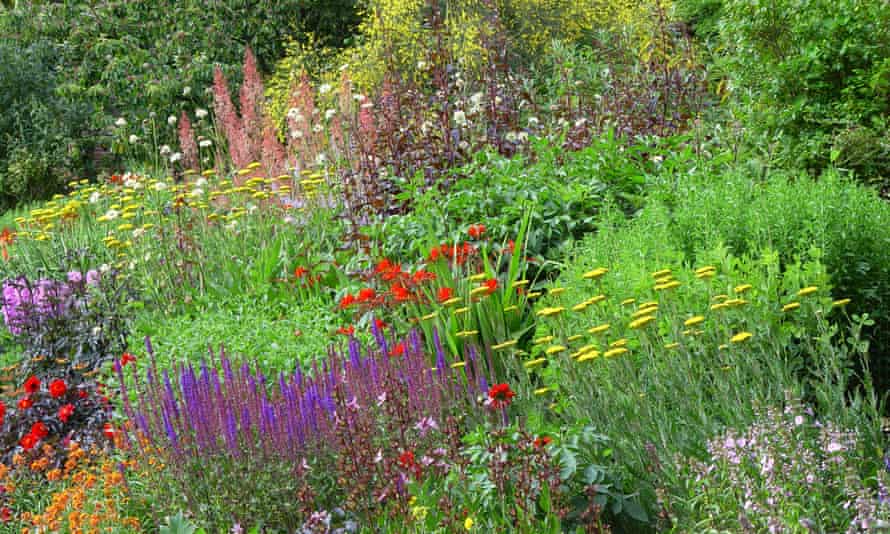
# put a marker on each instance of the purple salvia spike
(440, 354)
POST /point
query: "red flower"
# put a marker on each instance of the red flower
(400, 292)
(380, 324)
(25, 403)
(65, 412)
(500, 395)
(366, 294)
(108, 430)
(300, 271)
(434, 254)
(39, 430)
(32, 385)
(5, 514)
(422, 276)
(383, 266)
(2, 411)
(406, 460)
(398, 349)
(346, 331)
(511, 246)
(28, 441)
(476, 231)
(492, 285)
(542, 441)
(127, 358)
(81, 394)
(57, 388)
(394, 272)
(445, 293)
(347, 301)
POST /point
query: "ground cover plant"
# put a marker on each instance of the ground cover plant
(421, 266)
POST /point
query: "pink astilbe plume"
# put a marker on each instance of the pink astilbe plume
(251, 101)
(228, 119)
(187, 143)
(274, 156)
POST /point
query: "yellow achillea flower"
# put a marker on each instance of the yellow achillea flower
(719, 297)
(692, 321)
(452, 300)
(661, 273)
(719, 306)
(511, 308)
(594, 274)
(542, 391)
(790, 306)
(556, 291)
(591, 355)
(460, 311)
(644, 311)
(583, 350)
(641, 322)
(533, 294)
(580, 307)
(671, 345)
(704, 269)
(809, 290)
(253, 165)
(595, 299)
(555, 349)
(534, 363)
(619, 343)
(430, 316)
(504, 345)
(477, 277)
(614, 352)
(458, 365)
(576, 337)
(479, 290)
(723, 347)
(706, 274)
(628, 302)
(542, 340)
(839, 303)
(740, 337)
(550, 311)
(742, 288)
(518, 283)
(598, 329)
(466, 333)
(735, 302)
(669, 285)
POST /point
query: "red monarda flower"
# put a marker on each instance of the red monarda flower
(28, 441)
(347, 301)
(25, 403)
(65, 412)
(346, 330)
(500, 395)
(367, 294)
(39, 430)
(476, 231)
(32, 385)
(445, 293)
(492, 285)
(57, 388)
(127, 358)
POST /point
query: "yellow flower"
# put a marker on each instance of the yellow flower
(614, 352)
(790, 306)
(542, 391)
(468, 523)
(742, 288)
(518, 283)
(458, 365)
(619, 343)
(596, 299)
(479, 291)
(511, 308)
(452, 300)
(719, 297)
(740, 337)
(839, 303)
(627, 302)
(705, 269)
(466, 333)
(556, 291)
(504, 345)
(124, 227)
(719, 306)
(460, 311)
(542, 340)
(723, 347)
(594, 274)
(554, 350)
(477, 277)
(670, 285)
(598, 329)
(419, 512)
(533, 294)
(574, 338)
(644, 311)
(641, 322)
(534, 363)
(254, 165)
(659, 274)
(580, 307)
(429, 316)
(809, 290)
(550, 311)
(671, 345)
(692, 321)
(706, 274)
(735, 302)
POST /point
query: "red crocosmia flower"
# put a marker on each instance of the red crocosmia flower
(5, 514)
(300, 272)
(476, 231)
(346, 331)
(492, 285)
(347, 301)
(422, 276)
(398, 349)
(39, 430)
(366, 294)
(32, 385)
(542, 441)
(400, 292)
(108, 430)
(394, 272)
(383, 266)
(380, 324)
(500, 395)
(65, 412)
(127, 358)
(434, 254)
(28, 441)
(445, 293)
(57, 388)
(25, 403)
